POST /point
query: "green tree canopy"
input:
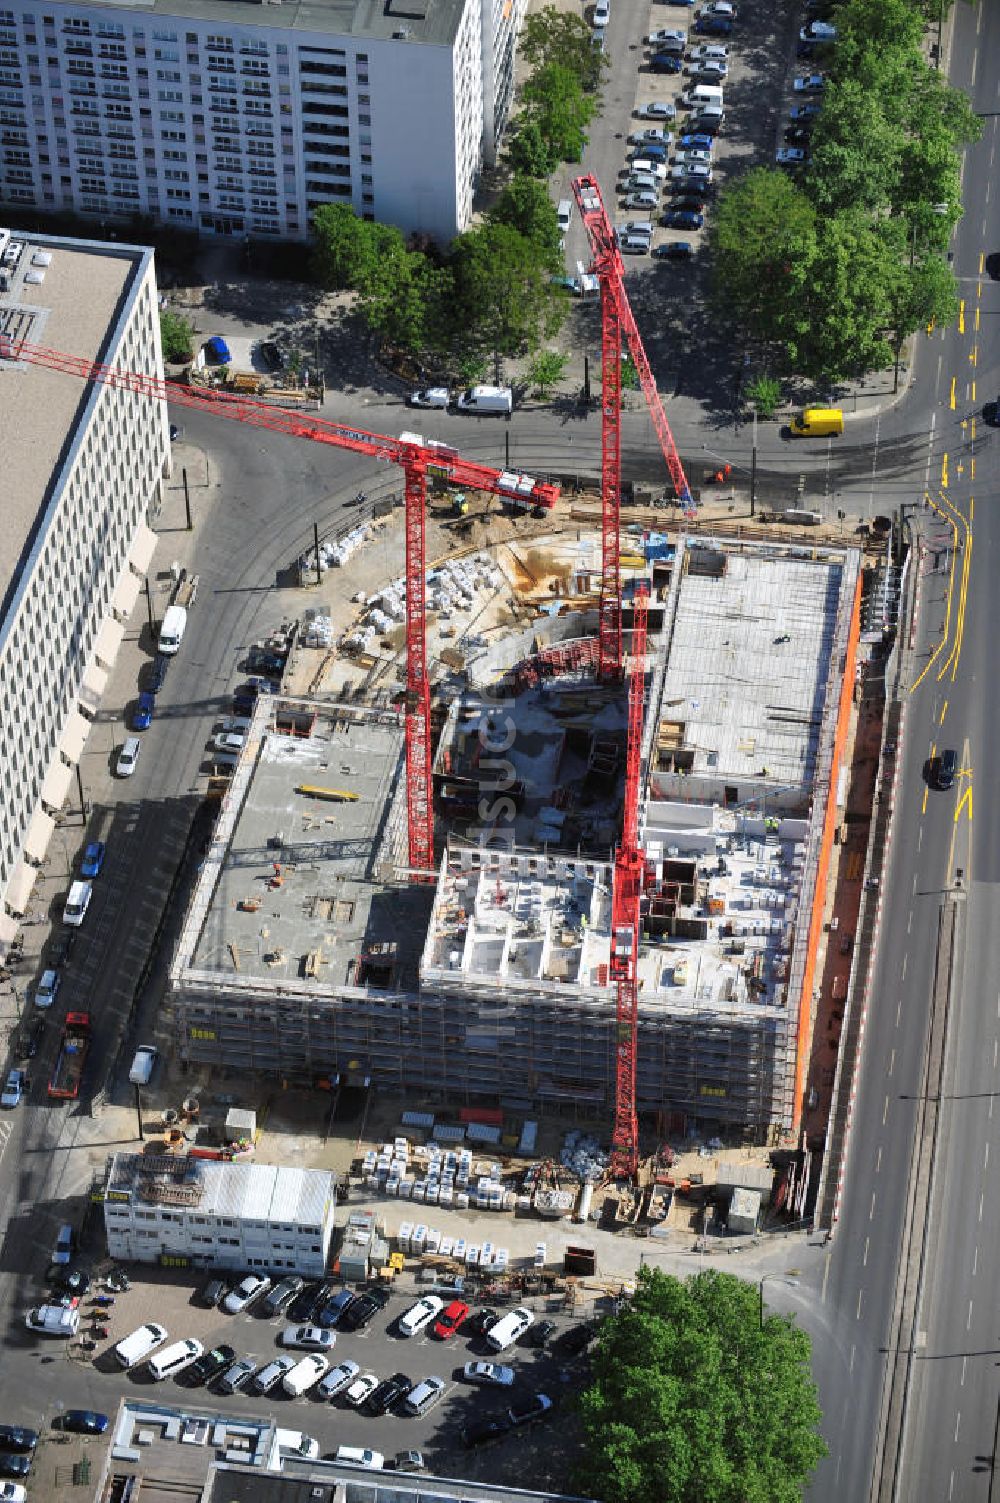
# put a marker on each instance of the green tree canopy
(692, 1401)
(763, 239)
(528, 153)
(504, 300)
(176, 335)
(344, 248)
(526, 206)
(555, 101)
(552, 36)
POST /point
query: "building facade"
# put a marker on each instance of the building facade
(81, 477)
(240, 119)
(197, 1212)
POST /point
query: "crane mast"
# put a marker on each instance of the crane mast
(413, 455)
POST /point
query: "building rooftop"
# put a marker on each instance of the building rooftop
(79, 307)
(327, 1482)
(305, 884)
(244, 1191)
(432, 22)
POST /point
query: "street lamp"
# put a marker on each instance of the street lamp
(778, 1278)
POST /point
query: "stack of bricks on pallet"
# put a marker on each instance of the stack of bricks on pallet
(447, 1180)
(418, 1240)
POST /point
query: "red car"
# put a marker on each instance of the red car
(450, 1319)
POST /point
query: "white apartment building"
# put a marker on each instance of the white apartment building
(198, 1212)
(235, 118)
(81, 475)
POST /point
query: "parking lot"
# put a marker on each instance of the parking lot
(171, 1298)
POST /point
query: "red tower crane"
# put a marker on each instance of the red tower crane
(416, 459)
(625, 915)
(616, 320)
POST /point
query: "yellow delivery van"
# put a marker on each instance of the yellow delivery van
(817, 422)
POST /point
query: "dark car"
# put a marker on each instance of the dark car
(532, 1407)
(332, 1313)
(158, 672)
(211, 1292)
(665, 62)
(93, 859)
(17, 1438)
(70, 1280)
(992, 265)
(944, 776)
(381, 1400)
(282, 1294)
(483, 1430)
(574, 1341)
(363, 1309)
(538, 1335)
(480, 1321)
(117, 1281)
(35, 1039)
(211, 1364)
(800, 112)
(236, 1376)
(683, 219)
(142, 715)
(674, 250)
(300, 1311)
(14, 1466)
(798, 135)
(690, 202)
(85, 1422)
(713, 26)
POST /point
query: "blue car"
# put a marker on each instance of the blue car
(665, 62)
(143, 712)
(713, 26)
(84, 1422)
(801, 112)
(700, 142)
(683, 219)
(650, 152)
(93, 859)
(674, 250)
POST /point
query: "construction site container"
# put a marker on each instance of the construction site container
(404, 1236)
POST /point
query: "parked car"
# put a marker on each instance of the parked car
(301, 1309)
(338, 1378)
(363, 1309)
(282, 1294)
(158, 672)
(48, 986)
(409, 1461)
(509, 1328)
(493, 1374)
(691, 172)
(711, 70)
(451, 1317)
(246, 1291)
(798, 135)
(308, 1338)
(693, 155)
(18, 1438)
(818, 31)
(13, 1091)
(14, 1466)
(809, 83)
(653, 135)
(211, 1292)
(34, 1040)
(534, 1406)
(430, 396)
(697, 141)
(713, 26)
(540, 1332)
(84, 1422)
(272, 1374)
(361, 1390)
(305, 1374)
(657, 109)
(791, 156)
(479, 1323)
(644, 200)
(480, 1431)
(674, 250)
(691, 202)
(709, 50)
(128, 757)
(93, 859)
(332, 1313)
(389, 1392)
(665, 62)
(802, 112)
(227, 742)
(420, 1315)
(667, 35)
(211, 1364)
(236, 1376)
(683, 219)
(719, 10)
(574, 1341)
(424, 1395)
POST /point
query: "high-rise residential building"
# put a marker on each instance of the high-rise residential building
(240, 119)
(81, 477)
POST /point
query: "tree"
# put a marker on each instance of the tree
(176, 335)
(763, 241)
(552, 36)
(847, 300)
(855, 151)
(695, 1400)
(764, 393)
(526, 206)
(528, 153)
(504, 301)
(546, 369)
(555, 101)
(344, 248)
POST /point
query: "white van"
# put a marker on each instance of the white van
(142, 1064)
(493, 399)
(141, 1342)
(420, 1315)
(564, 213)
(77, 903)
(702, 94)
(304, 1375)
(506, 1331)
(372, 1461)
(175, 1359)
(172, 629)
(645, 164)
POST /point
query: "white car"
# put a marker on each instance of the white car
(128, 757)
(304, 1375)
(338, 1378)
(430, 396)
(308, 1338)
(657, 109)
(691, 172)
(642, 201)
(724, 9)
(12, 1492)
(420, 1315)
(691, 155)
(509, 1328)
(711, 70)
(361, 1389)
(249, 1289)
(230, 741)
(656, 37)
(709, 51)
(47, 988)
(790, 156)
(492, 1373)
(651, 136)
(818, 31)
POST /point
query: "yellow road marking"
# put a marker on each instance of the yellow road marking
(951, 397)
(961, 316)
(974, 355)
(944, 470)
(944, 711)
(965, 799)
(976, 320)
(982, 262)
